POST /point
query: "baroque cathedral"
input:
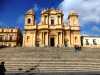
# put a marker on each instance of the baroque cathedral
(51, 31)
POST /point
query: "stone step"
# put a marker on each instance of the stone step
(36, 51)
(55, 65)
(44, 55)
(68, 68)
(52, 60)
(36, 48)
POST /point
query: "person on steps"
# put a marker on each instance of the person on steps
(2, 68)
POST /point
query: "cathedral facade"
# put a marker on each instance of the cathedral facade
(51, 31)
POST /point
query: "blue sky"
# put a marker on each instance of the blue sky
(12, 12)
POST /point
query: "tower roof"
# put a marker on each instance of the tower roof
(30, 12)
(73, 13)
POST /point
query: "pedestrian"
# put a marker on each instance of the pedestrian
(75, 47)
(2, 68)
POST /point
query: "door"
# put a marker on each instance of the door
(52, 43)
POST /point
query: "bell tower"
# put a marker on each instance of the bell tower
(30, 18)
(29, 29)
(73, 19)
(73, 22)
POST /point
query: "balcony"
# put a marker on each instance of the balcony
(66, 27)
(29, 27)
(56, 27)
(75, 28)
(42, 26)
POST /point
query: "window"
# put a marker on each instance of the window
(29, 21)
(75, 39)
(58, 16)
(27, 38)
(6, 37)
(14, 37)
(87, 42)
(94, 42)
(45, 19)
(10, 37)
(45, 16)
(52, 21)
(59, 19)
(11, 30)
(0, 38)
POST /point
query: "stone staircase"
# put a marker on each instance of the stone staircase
(50, 59)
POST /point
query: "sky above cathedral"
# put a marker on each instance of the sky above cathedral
(12, 12)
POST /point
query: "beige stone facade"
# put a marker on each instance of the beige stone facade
(10, 37)
(51, 31)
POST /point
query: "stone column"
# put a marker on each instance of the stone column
(46, 39)
(40, 39)
(23, 40)
(34, 39)
(43, 39)
(60, 39)
(56, 40)
(63, 38)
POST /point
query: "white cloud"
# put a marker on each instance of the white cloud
(89, 10)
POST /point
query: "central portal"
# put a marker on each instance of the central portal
(52, 43)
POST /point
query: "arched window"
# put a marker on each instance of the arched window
(58, 19)
(75, 39)
(58, 16)
(52, 20)
(28, 37)
(29, 21)
(45, 19)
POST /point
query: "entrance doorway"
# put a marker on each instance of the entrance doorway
(52, 43)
